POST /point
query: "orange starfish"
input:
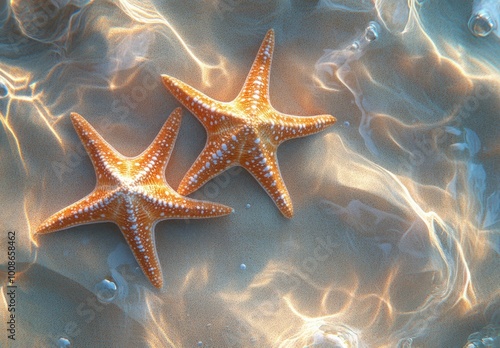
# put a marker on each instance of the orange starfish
(246, 131)
(133, 193)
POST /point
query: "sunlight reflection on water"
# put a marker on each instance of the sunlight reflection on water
(396, 237)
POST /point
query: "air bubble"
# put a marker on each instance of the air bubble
(243, 267)
(347, 124)
(489, 341)
(105, 291)
(371, 31)
(63, 343)
(488, 337)
(481, 24)
(4, 91)
(248, 206)
(405, 343)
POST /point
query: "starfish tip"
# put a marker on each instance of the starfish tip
(288, 213)
(225, 210)
(157, 284)
(76, 117)
(41, 229)
(167, 79)
(176, 114)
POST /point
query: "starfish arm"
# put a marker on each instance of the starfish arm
(153, 161)
(188, 208)
(200, 105)
(90, 209)
(262, 163)
(285, 127)
(163, 203)
(219, 154)
(256, 85)
(101, 153)
(137, 222)
(140, 237)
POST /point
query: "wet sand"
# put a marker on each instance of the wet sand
(394, 241)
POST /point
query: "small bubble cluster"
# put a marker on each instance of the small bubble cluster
(488, 337)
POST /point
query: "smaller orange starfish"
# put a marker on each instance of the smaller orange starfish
(133, 193)
(246, 131)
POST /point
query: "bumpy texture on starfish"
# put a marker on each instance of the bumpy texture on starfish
(133, 193)
(246, 131)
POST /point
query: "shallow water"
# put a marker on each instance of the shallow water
(395, 240)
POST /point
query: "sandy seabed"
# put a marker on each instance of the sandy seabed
(395, 240)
